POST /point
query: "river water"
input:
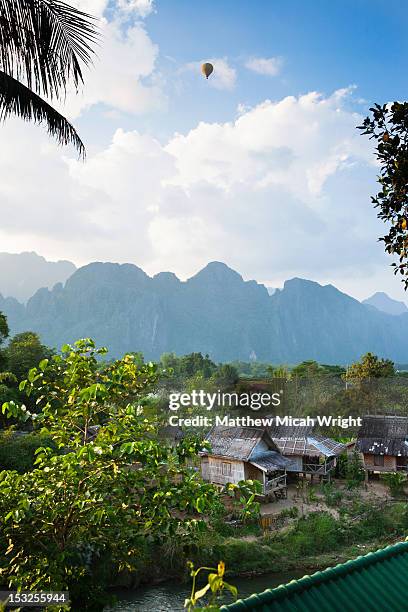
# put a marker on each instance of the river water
(170, 596)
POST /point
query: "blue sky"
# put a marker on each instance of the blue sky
(323, 45)
(260, 166)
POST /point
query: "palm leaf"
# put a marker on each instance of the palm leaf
(17, 99)
(44, 43)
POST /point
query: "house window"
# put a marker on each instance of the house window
(226, 469)
(379, 460)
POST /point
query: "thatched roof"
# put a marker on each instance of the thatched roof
(236, 442)
(383, 435)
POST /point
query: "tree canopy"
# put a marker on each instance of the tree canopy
(114, 486)
(370, 366)
(388, 126)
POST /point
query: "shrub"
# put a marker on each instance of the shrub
(318, 532)
(292, 512)
(332, 496)
(395, 482)
(354, 471)
(17, 452)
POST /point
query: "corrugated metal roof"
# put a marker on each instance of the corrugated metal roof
(270, 461)
(309, 446)
(236, 442)
(290, 431)
(375, 582)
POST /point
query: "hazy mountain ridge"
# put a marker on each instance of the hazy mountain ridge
(383, 302)
(215, 311)
(22, 274)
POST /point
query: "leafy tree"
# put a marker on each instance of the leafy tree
(24, 352)
(388, 126)
(280, 371)
(307, 369)
(333, 370)
(114, 485)
(4, 328)
(354, 470)
(43, 45)
(4, 332)
(369, 367)
(196, 363)
(226, 376)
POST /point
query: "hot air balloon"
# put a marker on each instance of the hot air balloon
(207, 69)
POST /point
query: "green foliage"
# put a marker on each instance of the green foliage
(370, 366)
(188, 365)
(24, 352)
(315, 533)
(396, 482)
(17, 452)
(4, 328)
(244, 494)
(114, 485)
(306, 369)
(354, 470)
(225, 376)
(388, 126)
(332, 496)
(213, 590)
(4, 332)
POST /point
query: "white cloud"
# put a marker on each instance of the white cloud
(281, 191)
(141, 7)
(122, 76)
(117, 79)
(270, 66)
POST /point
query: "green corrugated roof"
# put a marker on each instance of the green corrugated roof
(378, 581)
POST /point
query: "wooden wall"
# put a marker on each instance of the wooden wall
(212, 470)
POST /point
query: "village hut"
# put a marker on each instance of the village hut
(383, 443)
(309, 453)
(244, 453)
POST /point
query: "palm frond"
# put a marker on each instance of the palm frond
(17, 99)
(44, 43)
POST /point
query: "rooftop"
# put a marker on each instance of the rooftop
(373, 582)
(300, 440)
(383, 435)
(236, 442)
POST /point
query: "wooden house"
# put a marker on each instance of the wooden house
(244, 453)
(309, 453)
(383, 443)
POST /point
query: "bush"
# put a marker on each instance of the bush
(292, 512)
(354, 471)
(395, 482)
(318, 532)
(17, 452)
(332, 496)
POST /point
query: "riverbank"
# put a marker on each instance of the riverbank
(168, 596)
(305, 544)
